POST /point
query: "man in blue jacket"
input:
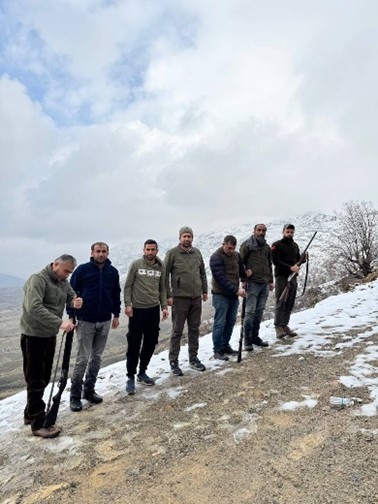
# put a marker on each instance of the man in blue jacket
(227, 270)
(98, 284)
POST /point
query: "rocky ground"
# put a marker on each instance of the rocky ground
(215, 437)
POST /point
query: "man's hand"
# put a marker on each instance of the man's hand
(295, 268)
(241, 292)
(67, 325)
(165, 312)
(115, 323)
(204, 297)
(271, 286)
(77, 302)
(129, 311)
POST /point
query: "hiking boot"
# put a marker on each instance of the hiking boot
(27, 421)
(47, 432)
(280, 332)
(92, 397)
(248, 347)
(130, 386)
(259, 342)
(75, 404)
(145, 379)
(176, 370)
(289, 332)
(220, 356)
(230, 351)
(196, 364)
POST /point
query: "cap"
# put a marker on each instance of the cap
(185, 229)
(289, 226)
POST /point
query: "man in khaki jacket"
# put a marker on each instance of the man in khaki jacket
(186, 289)
(45, 296)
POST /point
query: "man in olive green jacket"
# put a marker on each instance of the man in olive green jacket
(45, 296)
(186, 289)
(145, 294)
(256, 256)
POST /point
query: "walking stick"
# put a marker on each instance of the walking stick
(241, 331)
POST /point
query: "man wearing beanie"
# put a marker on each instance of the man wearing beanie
(286, 255)
(186, 289)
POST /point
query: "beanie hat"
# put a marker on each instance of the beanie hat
(185, 229)
(289, 226)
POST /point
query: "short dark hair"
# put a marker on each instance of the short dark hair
(254, 229)
(230, 239)
(99, 243)
(150, 242)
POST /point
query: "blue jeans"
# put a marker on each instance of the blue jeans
(226, 309)
(257, 295)
(91, 341)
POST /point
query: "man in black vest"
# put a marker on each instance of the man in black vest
(227, 270)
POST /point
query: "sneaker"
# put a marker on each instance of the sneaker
(176, 370)
(259, 342)
(196, 364)
(220, 356)
(248, 347)
(130, 386)
(92, 397)
(47, 432)
(145, 379)
(280, 332)
(230, 351)
(75, 404)
(289, 332)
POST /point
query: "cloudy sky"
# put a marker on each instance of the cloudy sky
(125, 119)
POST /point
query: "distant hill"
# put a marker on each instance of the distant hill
(10, 281)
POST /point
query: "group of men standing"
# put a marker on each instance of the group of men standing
(249, 274)
(92, 297)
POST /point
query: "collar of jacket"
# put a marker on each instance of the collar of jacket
(184, 250)
(253, 244)
(106, 263)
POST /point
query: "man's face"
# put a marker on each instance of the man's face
(260, 231)
(186, 240)
(150, 251)
(63, 269)
(100, 253)
(288, 233)
(228, 248)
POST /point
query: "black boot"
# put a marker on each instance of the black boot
(259, 342)
(76, 404)
(92, 397)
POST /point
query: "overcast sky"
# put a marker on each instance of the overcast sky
(127, 119)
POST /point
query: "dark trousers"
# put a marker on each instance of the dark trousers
(257, 295)
(38, 356)
(283, 309)
(143, 325)
(188, 310)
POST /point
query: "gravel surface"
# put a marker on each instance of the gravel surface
(215, 437)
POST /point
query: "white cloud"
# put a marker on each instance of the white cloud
(127, 118)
